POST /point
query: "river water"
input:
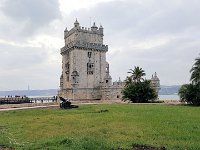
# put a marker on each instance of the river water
(169, 97)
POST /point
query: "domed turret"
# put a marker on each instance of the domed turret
(94, 27)
(101, 29)
(76, 23)
(66, 30)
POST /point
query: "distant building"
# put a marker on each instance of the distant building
(85, 71)
(155, 82)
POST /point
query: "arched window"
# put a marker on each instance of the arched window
(90, 68)
(75, 77)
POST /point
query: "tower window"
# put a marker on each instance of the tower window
(106, 81)
(75, 77)
(89, 54)
(67, 68)
(90, 68)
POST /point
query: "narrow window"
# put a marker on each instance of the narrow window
(89, 54)
(90, 68)
(67, 65)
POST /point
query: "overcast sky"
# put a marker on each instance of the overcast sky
(159, 36)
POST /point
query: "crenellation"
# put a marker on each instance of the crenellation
(84, 45)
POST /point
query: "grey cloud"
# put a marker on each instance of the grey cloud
(146, 19)
(13, 57)
(23, 66)
(127, 22)
(29, 15)
(22, 21)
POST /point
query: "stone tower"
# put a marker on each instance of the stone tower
(85, 72)
(155, 82)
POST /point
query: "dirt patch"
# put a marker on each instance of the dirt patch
(143, 147)
(102, 111)
(146, 147)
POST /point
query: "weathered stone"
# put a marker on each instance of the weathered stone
(85, 72)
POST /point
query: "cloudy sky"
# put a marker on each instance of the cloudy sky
(159, 36)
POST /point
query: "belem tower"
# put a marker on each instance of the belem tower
(85, 71)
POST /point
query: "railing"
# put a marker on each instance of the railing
(14, 100)
(43, 99)
(19, 100)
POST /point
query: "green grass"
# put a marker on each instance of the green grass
(174, 127)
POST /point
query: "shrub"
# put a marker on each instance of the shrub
(190, 93)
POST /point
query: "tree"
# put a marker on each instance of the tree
(195, 72)
(137, 74)
(191, 92)
(128, 81)
(137, 89)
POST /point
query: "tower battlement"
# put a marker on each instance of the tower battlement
(85, 30)
(84, 45)
(83, 34)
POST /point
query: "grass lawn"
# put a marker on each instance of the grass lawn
(174, 127)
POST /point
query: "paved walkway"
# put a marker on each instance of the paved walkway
(31, 107)
(10, 107)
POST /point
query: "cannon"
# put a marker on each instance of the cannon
(66, 104)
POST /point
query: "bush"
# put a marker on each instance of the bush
(190, 93)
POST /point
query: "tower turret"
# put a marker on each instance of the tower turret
(94, 27)
(101, 29)
(76, 23)
(65, 32)
(155, 82)
(107, 78)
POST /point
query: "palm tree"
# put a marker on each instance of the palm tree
(128, 81)
(195, 76)
(190, 93)
(137, 74)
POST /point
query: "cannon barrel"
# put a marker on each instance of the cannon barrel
(62, 99)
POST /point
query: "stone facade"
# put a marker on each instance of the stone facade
(85, 72)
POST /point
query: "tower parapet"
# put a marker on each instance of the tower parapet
(77, 28)
(84, 45)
